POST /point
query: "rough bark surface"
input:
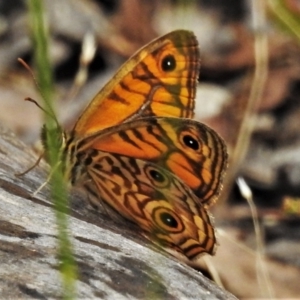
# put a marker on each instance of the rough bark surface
(114, 261)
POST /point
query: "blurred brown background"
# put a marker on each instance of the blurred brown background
(226, 34)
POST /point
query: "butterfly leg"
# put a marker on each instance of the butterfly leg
(32, 167)
(47, 180)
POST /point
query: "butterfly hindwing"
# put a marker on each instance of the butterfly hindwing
(154, 198)
(187, 148)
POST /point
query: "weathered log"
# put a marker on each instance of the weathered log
(114, 262)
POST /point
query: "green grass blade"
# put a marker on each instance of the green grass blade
(40, 40)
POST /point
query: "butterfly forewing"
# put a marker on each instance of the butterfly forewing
(159, 80)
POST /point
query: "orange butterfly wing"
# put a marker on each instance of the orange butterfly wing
(160, 79)
(187, 148)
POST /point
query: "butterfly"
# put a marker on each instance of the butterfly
(136, 148)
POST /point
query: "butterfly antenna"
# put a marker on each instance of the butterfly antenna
(27, 67)
(50, 114)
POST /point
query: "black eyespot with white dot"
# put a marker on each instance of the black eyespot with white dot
(157, 177)
(167, 220)
(191, 142)
(168, 63)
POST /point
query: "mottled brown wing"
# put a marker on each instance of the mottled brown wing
(153, 198)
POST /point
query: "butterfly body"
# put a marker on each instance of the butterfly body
(135, 148)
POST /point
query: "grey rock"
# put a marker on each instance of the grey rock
(114, 262)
